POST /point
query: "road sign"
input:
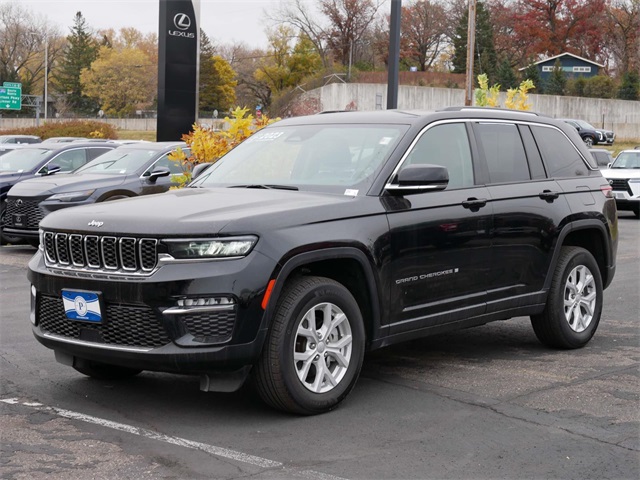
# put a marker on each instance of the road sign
(11, 96)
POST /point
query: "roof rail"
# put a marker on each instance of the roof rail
(486, 109)
(333, 111)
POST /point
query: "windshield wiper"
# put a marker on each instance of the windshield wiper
(268, 187)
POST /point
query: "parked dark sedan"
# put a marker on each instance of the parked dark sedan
(40, 160)
(128, 171)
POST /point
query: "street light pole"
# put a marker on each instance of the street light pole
(46, 75)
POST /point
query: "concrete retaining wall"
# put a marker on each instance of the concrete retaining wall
(621, 116)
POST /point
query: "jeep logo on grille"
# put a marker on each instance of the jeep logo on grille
(94, 223)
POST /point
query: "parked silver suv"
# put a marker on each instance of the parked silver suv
(624, 177)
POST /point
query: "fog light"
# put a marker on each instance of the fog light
(205, 302)
(32, 312)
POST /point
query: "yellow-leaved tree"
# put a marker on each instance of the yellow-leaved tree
(517, 98)
(208, 144)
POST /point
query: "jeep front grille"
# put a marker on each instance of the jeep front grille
(125, 325)
(107, 254)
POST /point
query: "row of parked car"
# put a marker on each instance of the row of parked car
(36, 179)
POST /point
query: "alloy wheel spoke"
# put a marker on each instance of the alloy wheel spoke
(338, 356)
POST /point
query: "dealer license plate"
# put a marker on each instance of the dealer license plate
(82, 306)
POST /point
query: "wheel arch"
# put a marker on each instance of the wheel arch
(592, 236)
(115, 193)
(346, 265)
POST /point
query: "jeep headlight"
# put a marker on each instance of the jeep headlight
(72, 196)
(211, 248)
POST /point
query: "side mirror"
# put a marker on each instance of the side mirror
(49, 169)
(609, 165)
(198, 169)
(419, 178)
(157, 173)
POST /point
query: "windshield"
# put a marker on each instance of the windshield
(333, 158)
(627, 160)
(119, 161)
(584, 124)
(22, 159)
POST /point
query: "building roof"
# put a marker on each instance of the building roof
(562, 55)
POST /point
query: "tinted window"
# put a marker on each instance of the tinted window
(70, 160)
(446, 145)
(559, 154)
(96, 152)
(503, 150)
(174, 167)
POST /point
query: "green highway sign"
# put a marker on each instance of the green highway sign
(11, 96)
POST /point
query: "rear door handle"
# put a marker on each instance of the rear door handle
(548, 195)
(474, 204)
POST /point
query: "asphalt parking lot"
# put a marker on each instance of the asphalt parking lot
(483, 403)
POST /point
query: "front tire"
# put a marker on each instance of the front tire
(588, 141)
(574, 303)
(315, 348)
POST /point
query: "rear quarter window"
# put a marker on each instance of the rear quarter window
(560, 156)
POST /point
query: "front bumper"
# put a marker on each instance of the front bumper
(144, 328)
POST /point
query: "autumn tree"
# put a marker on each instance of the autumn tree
(485, 58)
(217, 79)
(119, 80)
(245, 61)
(285, 67)
(423, 33)
(551, 27)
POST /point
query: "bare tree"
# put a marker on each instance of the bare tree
(23, 39)
(424, 26)
(349, 23)
(623, 34)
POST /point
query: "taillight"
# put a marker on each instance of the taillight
(607, 190)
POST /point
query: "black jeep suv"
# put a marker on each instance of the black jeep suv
(321, 237)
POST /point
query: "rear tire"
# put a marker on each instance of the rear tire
(103, 371)
(574, 304)
(315, 347)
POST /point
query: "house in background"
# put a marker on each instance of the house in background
(572, 65)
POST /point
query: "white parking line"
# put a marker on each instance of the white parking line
(182, 442)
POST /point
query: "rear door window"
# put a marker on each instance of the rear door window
(502, 147)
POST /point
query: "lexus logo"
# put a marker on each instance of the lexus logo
(182, 21)
(18, 202)
(610, 182)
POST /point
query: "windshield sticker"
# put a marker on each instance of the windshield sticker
(351, 193)
(265, 136)
(385, 140)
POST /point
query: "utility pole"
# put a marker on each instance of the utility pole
(471, 43)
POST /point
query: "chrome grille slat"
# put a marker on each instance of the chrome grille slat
(101, 254)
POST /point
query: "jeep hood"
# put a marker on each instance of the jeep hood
(62, 183)
(210, 211)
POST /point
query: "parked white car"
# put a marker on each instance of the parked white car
(624, 176)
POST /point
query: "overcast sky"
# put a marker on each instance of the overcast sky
(223, 21)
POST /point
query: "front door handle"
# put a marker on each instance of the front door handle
(474, 204)
(548, 195)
